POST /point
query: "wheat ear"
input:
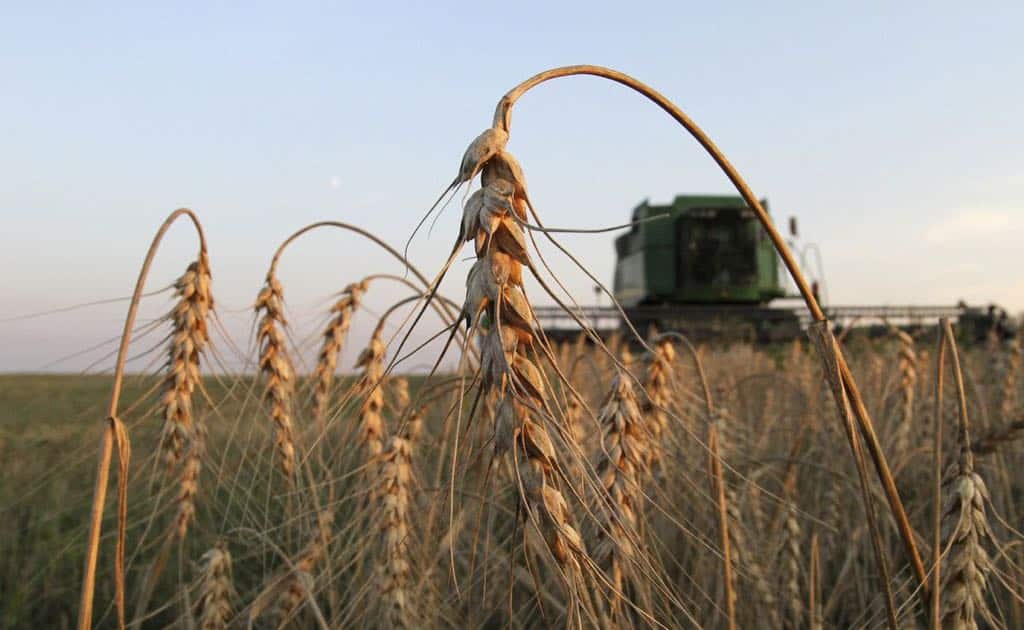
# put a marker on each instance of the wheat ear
(965, 527)
(216, 590)
(721, 495)
(395, 568)
(184, 435)
(296, 586)
(907, 366)
(189, 337)
(659, 395)
(371, 422)
(1008, 383)
(790, 562)
(622, 461)
(333, 340)
(276, 368)
(412, 423)
(497, 305)
(743, 557)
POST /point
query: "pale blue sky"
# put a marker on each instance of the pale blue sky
(893, 132)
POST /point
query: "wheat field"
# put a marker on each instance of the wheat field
(640, 481)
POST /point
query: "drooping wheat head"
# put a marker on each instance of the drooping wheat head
(188, 340)
(497, 306)
(183, 438)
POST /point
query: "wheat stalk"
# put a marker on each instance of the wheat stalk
(276, 367)
(502, 121)
(116, 435)
(216, 590)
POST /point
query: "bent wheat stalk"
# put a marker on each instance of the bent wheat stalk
(115, 433)
(501, 127)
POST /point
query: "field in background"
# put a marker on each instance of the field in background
(788, 474)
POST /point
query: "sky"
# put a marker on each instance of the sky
(891, 130)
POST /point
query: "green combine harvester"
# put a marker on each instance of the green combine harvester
(703, 265)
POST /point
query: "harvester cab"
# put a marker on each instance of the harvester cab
(702, 249)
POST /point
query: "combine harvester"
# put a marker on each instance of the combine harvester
(704, 266)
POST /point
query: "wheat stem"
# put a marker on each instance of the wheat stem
(115, 433)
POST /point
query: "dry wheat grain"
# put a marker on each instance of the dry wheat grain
(333, 340)
(276, 367)
(394, 570)
(620, 465)
(216, 590)
(371, 420)
(497, 305)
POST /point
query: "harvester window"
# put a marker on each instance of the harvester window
(717, 250)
